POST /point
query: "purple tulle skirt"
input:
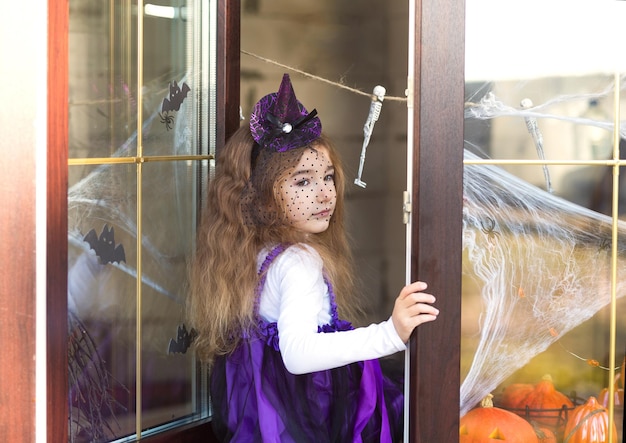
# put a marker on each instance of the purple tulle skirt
(255, 399)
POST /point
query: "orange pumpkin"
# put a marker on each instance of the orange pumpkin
(588, 423)
(603, 397)
(543, 402)
(514, 393)
(487, 423)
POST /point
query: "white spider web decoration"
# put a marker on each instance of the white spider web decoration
(543, 265)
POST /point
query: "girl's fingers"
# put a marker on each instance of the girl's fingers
(421, 308)
(417, 286)
(417, 297)
(412, 308)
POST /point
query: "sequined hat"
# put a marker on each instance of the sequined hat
(280, 122)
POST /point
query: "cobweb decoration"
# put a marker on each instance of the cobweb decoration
(543, 265)
(102, 306)
(490, 107)
(92, 405)
(103, 196)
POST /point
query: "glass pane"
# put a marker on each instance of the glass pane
(170, 85)
(168, 370)
(103, 79)
(133, 210)
(102, 303)
(538, 294)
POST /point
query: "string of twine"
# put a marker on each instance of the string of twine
(318, 78)
(330, 82)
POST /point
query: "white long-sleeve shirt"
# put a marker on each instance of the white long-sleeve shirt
(296, 297)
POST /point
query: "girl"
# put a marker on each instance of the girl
(271, 287)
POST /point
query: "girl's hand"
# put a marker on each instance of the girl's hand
(412, 308)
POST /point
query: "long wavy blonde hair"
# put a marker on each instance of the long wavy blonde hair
(223, 274)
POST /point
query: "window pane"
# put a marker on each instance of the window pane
(538, 294)
(168, 212)
(103, 78)
(139, 101)
(102, 303)
(171, 85)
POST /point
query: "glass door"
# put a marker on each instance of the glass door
(544, 263)
(141, 143)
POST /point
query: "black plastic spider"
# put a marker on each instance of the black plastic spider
(489, 228)
(167, 119)
(605, 245)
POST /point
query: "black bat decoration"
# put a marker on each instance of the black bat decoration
(176, 97)
(183, 340)
(104, 246)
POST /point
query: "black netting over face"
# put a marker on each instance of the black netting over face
(259, 204)
(293, 189)
(307, 194)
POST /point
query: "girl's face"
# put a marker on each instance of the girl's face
(308, 192)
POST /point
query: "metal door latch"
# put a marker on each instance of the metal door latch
(406, 207)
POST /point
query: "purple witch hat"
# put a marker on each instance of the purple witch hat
(280, 122)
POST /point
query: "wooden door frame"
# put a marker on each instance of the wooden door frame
(56, 230)
(436, 233)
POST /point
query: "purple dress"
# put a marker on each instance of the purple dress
(255, 399)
